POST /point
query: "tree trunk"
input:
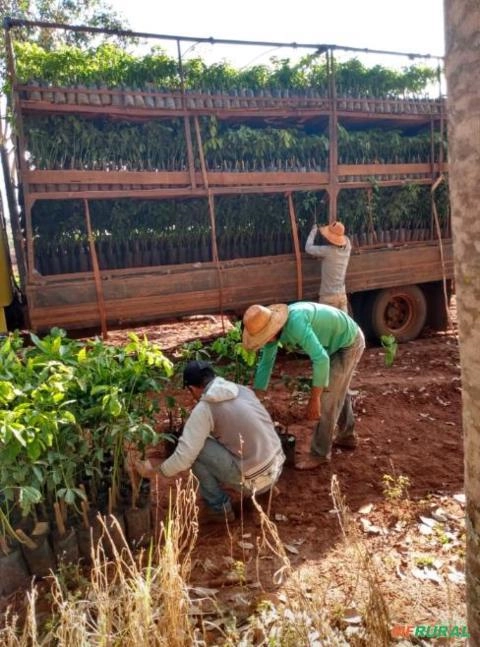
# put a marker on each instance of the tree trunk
(462, 26)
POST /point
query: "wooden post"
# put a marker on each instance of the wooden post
(84, 507)
(4, 548)
(296, 246)
(332, 135)
(432, 175)
(96, 273)
(436, 184)
(186, 122)
(211, 210)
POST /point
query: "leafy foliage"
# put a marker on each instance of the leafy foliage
(239, 361)
(112, 65)
(390, 346)
(66, 409)
(226, 353)
(96, 13)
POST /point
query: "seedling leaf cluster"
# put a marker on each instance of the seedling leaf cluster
(67, 409)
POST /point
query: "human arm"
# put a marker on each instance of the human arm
(197, 429)
(195, 432)
(263, 372)
(310, 248)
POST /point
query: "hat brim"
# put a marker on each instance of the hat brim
(335, 239)
(277, 321)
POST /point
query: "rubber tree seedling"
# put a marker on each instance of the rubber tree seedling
(390, 346)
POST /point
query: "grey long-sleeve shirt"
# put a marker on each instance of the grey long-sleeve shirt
(231, 414)
(334, 264)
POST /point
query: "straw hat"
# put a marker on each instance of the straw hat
(334, 233)
(261, 323)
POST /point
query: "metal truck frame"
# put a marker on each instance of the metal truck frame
(395, 286)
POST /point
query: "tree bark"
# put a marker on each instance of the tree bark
(462, 29)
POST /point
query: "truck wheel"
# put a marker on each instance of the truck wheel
(399, 311)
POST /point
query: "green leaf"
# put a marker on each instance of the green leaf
(28, 496)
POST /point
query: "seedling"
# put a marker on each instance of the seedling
(390, 346)
(240, 571)
(229, 348)
(395, 487)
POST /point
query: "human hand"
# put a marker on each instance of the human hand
(314, 409)
(148, 469)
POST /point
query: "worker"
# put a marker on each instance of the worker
(229, 438)
(334, 343)
(335, 253)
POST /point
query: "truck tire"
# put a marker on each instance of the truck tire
(399, 311)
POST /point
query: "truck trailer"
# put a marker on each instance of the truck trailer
(132, 203)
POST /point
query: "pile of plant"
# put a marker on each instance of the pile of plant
(226, 353)
(70, 142)
(150, 233)
(144, 233)
(67, 410)
(112, 66)
(393, 214)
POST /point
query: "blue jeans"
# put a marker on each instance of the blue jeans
(215, 465)
(336, 402)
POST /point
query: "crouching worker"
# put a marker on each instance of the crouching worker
(229, 438)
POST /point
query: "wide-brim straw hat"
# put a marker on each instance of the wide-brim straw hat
(261, 323)
(334, 233)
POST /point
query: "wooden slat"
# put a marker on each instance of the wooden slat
(390, 169)
(149, 295)
(171, 178)
(73, 176)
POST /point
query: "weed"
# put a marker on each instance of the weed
(440, 534)
(395, 487)
(425, 561)
(240, 571)
(376, 621)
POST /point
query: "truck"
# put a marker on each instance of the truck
(139, 200)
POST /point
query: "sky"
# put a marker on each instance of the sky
(414, 26)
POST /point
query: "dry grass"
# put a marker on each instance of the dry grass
(129, 600)
(145, 599)
(375, 613)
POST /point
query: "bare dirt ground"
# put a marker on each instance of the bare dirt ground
(392, 537)
(403, 486)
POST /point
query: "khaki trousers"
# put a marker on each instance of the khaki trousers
(336, 402)
(339, 300)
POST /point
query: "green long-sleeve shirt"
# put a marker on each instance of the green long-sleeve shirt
(317, 329)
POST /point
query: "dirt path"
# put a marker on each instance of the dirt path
(409, 426)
